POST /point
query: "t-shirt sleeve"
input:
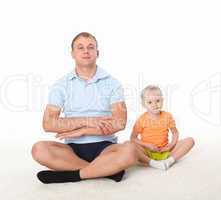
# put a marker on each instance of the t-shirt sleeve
(137, 126)
(56, 95)
(171, 121)
(117, 94)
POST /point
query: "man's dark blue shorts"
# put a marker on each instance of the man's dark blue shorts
(89, 151)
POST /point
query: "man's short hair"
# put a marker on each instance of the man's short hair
(83, 34)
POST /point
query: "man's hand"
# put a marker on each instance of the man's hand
(71, 134)
(102, 123)
(106, 126)
(94, 122)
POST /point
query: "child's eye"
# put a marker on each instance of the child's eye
(158, 101)
(149, 102)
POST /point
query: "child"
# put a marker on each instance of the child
(153, 127)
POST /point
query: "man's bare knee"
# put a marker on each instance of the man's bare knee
(129, 153)
(38, 149)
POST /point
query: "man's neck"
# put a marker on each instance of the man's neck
(86, 72)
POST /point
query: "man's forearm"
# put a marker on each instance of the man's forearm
(116, 125)
(99, 131)
(92, 131)
(61, 125)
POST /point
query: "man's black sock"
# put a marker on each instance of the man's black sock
(117, 177)
(49, 176)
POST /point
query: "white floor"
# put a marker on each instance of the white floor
(196, 177)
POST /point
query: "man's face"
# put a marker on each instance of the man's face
(85, 51)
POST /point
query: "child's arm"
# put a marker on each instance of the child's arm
(175, 136)
(134, 138)
(172, 144)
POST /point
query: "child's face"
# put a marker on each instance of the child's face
(153, 101)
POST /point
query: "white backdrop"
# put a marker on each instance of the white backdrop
(175, 44)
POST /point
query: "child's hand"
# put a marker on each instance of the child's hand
(149, 146)
(168, 147)
(152, 147)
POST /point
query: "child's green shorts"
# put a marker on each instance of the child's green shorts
(157, 155)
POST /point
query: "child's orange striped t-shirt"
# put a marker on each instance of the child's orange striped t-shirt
(154, 131)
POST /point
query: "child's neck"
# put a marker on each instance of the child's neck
(154, 116)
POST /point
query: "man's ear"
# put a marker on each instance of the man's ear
(72, 54)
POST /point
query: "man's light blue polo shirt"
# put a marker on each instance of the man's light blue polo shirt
(79, 98)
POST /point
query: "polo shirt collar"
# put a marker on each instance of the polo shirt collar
(72, 75)
(100, 74)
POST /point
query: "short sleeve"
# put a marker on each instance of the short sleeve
(137, 126)
(171, 121)
(56, 95)
(117, 94)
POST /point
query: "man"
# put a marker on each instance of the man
(94, 109)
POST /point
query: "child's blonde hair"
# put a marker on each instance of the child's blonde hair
(149, 88)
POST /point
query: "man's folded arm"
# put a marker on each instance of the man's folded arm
(52, 122)
(116, 123)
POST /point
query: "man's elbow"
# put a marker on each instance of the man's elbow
(121, 126)
(47, 126)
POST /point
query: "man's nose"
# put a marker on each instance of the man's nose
(85, 50)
